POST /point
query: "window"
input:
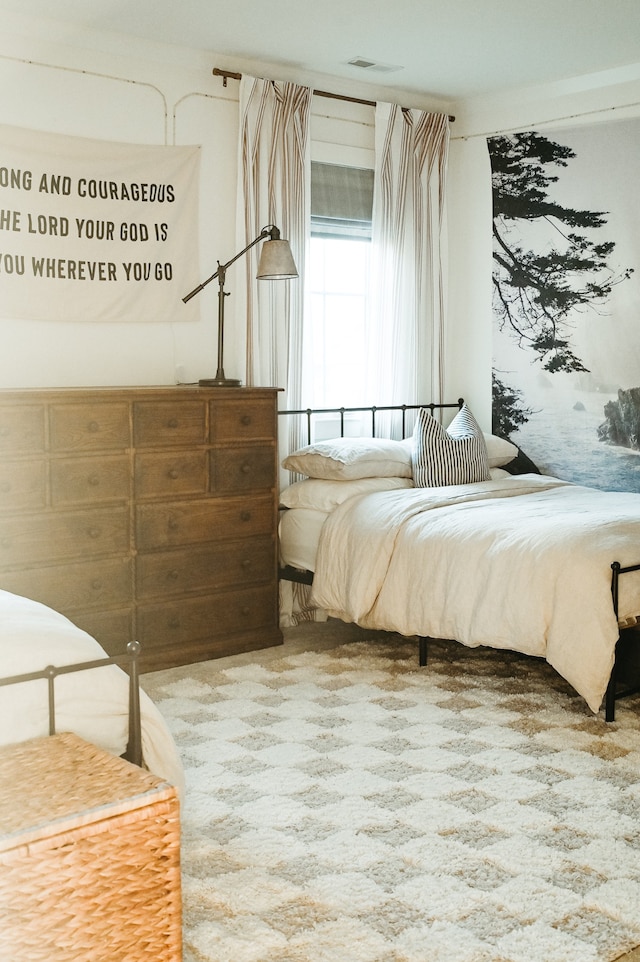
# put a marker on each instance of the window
(338, 271)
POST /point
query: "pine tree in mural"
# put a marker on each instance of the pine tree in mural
(539, 293)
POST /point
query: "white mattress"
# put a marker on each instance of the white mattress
(299, 532)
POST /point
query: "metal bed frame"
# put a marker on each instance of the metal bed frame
(288, 573)
(133, 752)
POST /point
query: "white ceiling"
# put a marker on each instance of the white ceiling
(449, 49)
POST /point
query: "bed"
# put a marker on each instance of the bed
(41, 650)
(447, 532)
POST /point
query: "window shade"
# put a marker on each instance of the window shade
(341, 201)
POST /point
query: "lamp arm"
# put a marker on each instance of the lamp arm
(271, 232)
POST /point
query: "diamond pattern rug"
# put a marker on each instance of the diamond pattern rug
(345, 805)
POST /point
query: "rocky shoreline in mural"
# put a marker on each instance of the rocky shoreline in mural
(622, 424)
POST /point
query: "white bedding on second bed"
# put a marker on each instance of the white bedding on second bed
(94, 703)
(523, 563)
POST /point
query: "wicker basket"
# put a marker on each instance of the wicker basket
(89, 857)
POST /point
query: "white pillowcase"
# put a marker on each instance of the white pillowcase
(499, 451)
(326, 495)
(348, 459)
(455, 455)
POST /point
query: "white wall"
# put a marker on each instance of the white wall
(102, 86)
(109, 87)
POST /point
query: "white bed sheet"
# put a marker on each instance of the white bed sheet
(94, 703)
(299, 532)
(522, 563)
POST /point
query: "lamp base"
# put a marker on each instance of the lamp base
(219, 382)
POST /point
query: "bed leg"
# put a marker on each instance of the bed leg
(134, 745)
(422, 650)
(610, 697)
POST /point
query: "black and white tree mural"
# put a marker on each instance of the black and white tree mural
(561, 254)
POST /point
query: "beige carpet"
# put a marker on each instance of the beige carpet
(344, 805)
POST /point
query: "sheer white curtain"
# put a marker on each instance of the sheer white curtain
(274, 188)
(406, 343)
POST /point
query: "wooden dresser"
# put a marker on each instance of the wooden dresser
(145, 513)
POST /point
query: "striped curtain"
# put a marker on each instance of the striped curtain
(406, 347)
(274, 188)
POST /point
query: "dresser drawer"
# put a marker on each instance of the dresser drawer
(169, 423)
(205, 569)
(242, 419)
(170, 474)
(86, 480)
(189, 522)
(113, 629)
(22, 485)
(22, 428)
(73, 586)
(188, 620)
(248, 468)
(39, 539)
(87, 427)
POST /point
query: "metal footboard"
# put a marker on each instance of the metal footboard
(612, 694)
(130, 659)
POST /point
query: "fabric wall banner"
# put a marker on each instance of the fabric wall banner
(96, 231)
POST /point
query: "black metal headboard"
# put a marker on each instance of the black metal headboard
(373, 410)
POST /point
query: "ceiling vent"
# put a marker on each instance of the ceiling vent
(363, 63)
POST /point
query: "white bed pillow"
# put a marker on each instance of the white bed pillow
(455, 455)
(499, 450)
(324, 495)
(348, 459)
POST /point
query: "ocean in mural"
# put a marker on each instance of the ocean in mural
(561, 437)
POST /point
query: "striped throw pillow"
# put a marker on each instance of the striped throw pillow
(455, 455)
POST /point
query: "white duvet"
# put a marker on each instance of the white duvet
(522, 563)
(94, 703)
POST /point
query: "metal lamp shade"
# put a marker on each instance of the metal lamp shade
(276, 261)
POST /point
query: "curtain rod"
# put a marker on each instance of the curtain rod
(225, 74)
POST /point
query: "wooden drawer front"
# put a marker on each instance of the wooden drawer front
(189, 620)
(208, 568)
(68, 587)
(87, 427)
(22, 485)
(170, 474)
(113, 629)
(56, 537)
(240, 420)
(22, 428)
(193, 522)
(169, 422)
(249, 468)
(83, 480)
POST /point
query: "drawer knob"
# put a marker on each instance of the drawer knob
(93, 427)
(246, 420)
(174, 622)
(96, 584)
(173, 524)
(245, 610)
(94, 480)
(173, 422)
(94, 533)
(245, 468)
(173, 575)
(5, 543)
(174, 474)
(245, 563)
(245, 516)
